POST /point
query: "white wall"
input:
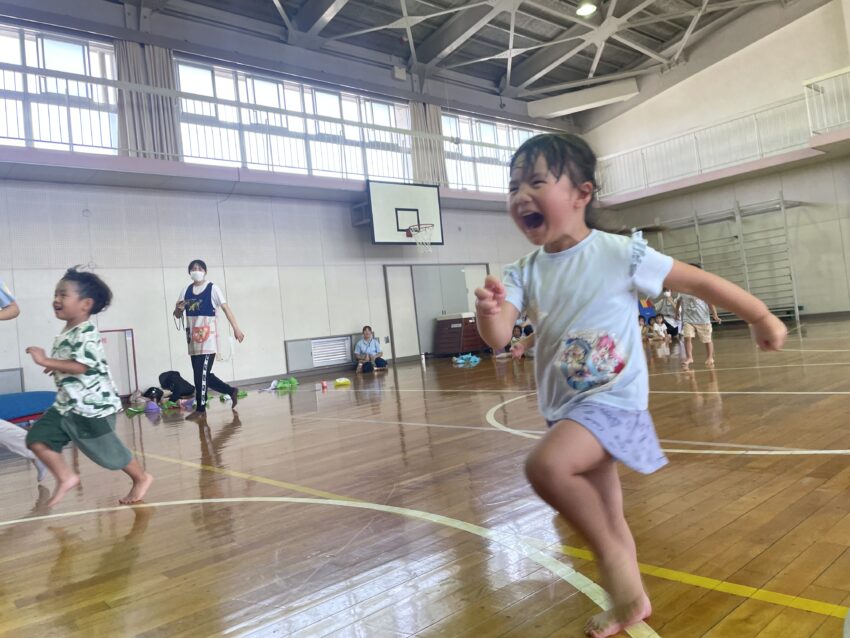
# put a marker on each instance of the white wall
(290, 269)
(819, 229)
(768, 71)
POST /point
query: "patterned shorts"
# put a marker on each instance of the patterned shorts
(627, 435)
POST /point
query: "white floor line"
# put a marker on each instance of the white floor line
(770, 392)
(787, 365)
(405, 423)
(759, 451)
(729, 445)
(507, 540)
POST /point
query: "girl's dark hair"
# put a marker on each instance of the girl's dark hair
(369, 328)
(565, 154)
(197, 262)
(90, 286)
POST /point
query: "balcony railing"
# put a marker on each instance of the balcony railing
(828, 101)
(777, 129)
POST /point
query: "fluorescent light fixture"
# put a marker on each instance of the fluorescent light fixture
(586, 9)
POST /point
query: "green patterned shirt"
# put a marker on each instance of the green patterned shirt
(92, 393)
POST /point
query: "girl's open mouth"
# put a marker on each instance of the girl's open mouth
(532, 220)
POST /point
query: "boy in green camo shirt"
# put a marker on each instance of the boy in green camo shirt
(86, 401)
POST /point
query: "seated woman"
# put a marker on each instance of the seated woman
(368, 352)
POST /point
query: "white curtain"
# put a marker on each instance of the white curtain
(148, 124)
(429, 166)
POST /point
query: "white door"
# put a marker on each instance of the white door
(402, 311)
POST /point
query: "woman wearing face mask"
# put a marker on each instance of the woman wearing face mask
(666, 306)
(199, 302)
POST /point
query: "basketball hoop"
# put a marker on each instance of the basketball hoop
(421, 233)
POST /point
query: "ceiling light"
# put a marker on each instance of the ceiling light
(586, 9)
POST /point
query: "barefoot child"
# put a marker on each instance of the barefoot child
(694, 313)
(13, 437)
(580, 287)
(87, 401)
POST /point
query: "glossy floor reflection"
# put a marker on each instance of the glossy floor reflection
(312, 513)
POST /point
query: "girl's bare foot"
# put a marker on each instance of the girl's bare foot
(62, 488)
(137, 493)
(709, 363)
(686, 363)
(618, 618)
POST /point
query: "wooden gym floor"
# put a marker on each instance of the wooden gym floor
(398, 507)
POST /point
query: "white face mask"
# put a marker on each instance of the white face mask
(197, 276)
(666, 293)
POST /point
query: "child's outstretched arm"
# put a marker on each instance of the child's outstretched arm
(65, 366)
(9, 312)
(769, 331)
(496, 318)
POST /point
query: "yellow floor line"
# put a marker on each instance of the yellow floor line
(508, 540)
(248, 477)
(744, 591)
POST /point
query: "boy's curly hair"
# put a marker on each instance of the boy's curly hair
(90, 286)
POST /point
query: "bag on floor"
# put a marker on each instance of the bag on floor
(176, 385)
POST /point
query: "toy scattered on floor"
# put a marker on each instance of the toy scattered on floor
(170, 405)
(187, 404)
(289, 383)
(152, 406)
(341, 382)
(324, 386)
(134, 411)
(224, 398)
(466, 360)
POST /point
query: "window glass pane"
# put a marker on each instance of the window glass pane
(381, 114)
(10, 47)
(327, 104)
(195, 80)
(265, 93)
(224, 85)
(68, 57)
(487, 132)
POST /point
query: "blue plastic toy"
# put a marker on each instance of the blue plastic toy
(466, 360)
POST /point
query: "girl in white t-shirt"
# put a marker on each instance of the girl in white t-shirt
(580, 287)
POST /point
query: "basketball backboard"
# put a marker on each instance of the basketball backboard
(396, 207)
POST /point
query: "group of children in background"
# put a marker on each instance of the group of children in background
(686, 317)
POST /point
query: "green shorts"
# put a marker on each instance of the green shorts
(95, 436)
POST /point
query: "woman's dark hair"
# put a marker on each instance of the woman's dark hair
(369, 328)
(90, 286)
(197, 262)
(565, 154)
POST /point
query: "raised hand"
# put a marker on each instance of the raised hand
(489, 299)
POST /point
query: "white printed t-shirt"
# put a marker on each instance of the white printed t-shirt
(582, 302)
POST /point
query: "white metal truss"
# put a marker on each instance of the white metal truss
(584, 37)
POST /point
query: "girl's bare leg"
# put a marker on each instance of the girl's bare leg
(569, 469)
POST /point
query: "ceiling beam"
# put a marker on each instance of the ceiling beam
(457, 30)
(709, 44)
(315, 15)
(689, 31)
(568, 103)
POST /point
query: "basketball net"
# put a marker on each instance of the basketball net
(421, 234)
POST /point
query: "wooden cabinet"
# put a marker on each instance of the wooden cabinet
(457, 334)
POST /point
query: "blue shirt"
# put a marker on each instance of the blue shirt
(582, 302)
(372, 347)
(6, 296)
